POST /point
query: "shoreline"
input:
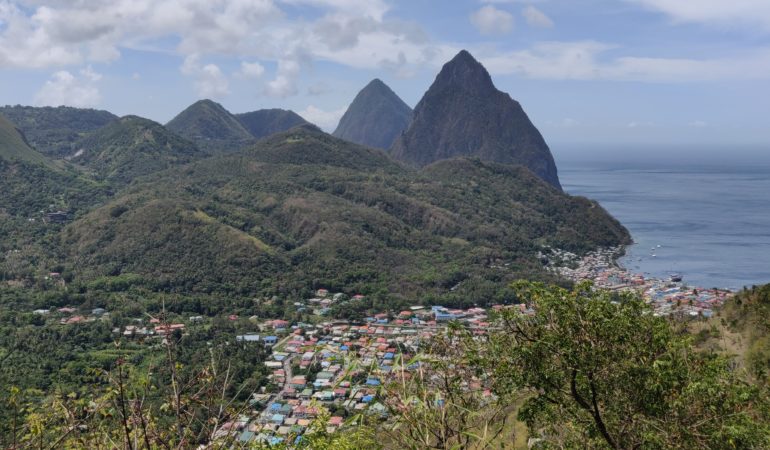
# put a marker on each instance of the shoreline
(666, 297)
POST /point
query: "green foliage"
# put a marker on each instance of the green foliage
(132, 147)
(607, 374)
(438, 399)
(211, 127)
(53, 131)
(305, 210)
(749, 315)
(264, 122)
(14, 147)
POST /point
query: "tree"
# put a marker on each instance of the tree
(440, 400)
(610, 374)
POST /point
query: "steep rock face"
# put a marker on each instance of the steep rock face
(265, 122)
(376, 117)
(463, 114)
(211, 126)
(132, 147)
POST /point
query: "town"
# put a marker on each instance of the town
(666, 297)
(332, 369)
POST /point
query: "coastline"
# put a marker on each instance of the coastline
(666, 297)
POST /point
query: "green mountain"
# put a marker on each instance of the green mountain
(53, 131)
(376, 117)
(303, 208)
(132, 147)
(265, 122)
(463, 114)
(212, 127)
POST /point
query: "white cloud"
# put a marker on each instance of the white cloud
(716, 12)
(60, 33)
(536, 18)
(698, 124)
(285, 82)
(320, 88)
(209, 81)
(353, 33)
(637, 124)
(586, 60)
(490, 20)
(64, 88)
(327, 120)
(367, 8)
(251, 70)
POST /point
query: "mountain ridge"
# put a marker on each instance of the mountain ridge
(303, 207)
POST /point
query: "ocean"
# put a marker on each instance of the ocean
(706, 220)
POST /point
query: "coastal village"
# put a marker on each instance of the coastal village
(331, 370)
(666, 296)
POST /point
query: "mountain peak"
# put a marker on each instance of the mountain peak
(463, 114)
(466, 72)
(211, 126)
(375, 117)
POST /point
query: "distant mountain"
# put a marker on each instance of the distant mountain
(463, 114)
(302, 208)
(376, 117)
(265, 122)
(132, 147)
(211, 127)
(52, 131)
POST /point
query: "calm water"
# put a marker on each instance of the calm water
(711, 221)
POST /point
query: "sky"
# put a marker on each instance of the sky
(615, 74)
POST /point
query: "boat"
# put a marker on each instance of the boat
(675, 277)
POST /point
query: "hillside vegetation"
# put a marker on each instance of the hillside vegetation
(265, 122)
(305, 209)
(132, 147)
(53, 131)
(212, 127)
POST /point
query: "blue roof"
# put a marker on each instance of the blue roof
(367, 398)
(372, 381)
(277, 418)
(246, 436)
(344, 347)
(271, 338)
(275, 406)
(389, 355)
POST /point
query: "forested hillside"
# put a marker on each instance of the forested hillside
(303, 208)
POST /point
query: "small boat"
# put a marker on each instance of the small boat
(675, 277)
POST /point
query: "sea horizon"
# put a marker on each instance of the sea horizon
(706, 218)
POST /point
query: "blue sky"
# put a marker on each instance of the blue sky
(590, 73)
